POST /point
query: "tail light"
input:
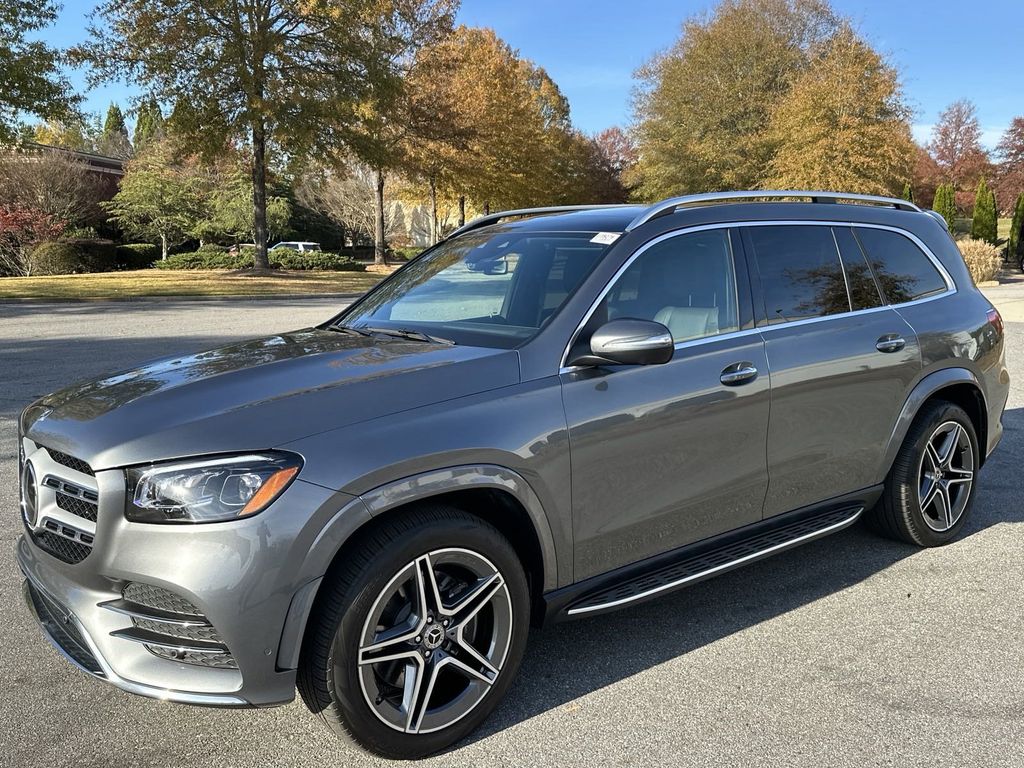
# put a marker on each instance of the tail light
(995, 320)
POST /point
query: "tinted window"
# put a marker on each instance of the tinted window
(903, 271)
(687, 283)
(801, 275)
(863, 290)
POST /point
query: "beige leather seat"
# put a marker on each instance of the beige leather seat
(689, 322)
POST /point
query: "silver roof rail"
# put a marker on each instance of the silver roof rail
(494, 218)
(668, 206)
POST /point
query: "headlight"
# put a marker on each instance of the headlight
(206, 491)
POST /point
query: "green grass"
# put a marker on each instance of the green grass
(152, 282)
(963, 227)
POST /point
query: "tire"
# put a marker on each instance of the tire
(913, 507)
(368, 610)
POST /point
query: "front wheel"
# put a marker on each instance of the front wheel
(418, 635)
(930, 488)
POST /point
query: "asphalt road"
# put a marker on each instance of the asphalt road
(851, 651)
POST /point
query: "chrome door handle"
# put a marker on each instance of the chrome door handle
(891, 342)
(738, 373)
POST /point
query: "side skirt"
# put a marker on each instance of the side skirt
(690, 564)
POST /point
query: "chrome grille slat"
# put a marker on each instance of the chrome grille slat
(70, 462)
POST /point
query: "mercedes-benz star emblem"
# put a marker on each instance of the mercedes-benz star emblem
(434, 636)
(29, 501)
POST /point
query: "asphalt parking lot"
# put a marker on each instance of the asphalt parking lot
(851, 651)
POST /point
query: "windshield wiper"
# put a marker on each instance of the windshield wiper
(349, 329)
(405, 333)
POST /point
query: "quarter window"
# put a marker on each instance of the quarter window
(903, 271)
(863, 290)
(801, 274)
(687, 283)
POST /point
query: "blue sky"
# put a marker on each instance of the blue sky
(591, 48)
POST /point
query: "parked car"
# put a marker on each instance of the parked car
(239, 247)
(551, 414)
(294, 245)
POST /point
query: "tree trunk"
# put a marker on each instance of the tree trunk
(487, 209)
(380, 255)
(259, 194)
(163, 247)
(462, 210)
(433, 211)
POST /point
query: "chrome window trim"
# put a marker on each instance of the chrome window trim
(950, 284)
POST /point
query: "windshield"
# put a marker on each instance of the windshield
(491, 289)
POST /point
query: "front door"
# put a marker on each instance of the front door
(665, 455)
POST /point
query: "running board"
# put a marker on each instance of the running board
(712, 560)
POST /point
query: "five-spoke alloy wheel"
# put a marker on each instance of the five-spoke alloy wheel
(417, 636)
(929, 491)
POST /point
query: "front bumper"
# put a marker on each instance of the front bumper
(246, 579)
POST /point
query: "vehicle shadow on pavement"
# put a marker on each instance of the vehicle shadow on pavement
(570, 660)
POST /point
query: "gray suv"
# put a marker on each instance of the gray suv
(553, 413)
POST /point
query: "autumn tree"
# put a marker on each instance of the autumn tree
(346, 192)
(843, 125)
(925, 176)
(30, 76)
(113, 140)
(272, 73)
(1009, 182)
(52, 184)
(984, 222)
(159, 198)
(619, 153)
(79, 132)
(945, 204)
(956, 148)
(703, 107)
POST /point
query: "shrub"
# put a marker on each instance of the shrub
(945, 204)
(984, 223)
(137, 255)
(1015, 246)
(212, 248)
(405, 254)
(68, 257)
(205, 260)
(983, 259)
(284, 258)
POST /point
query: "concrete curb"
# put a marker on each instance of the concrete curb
(121, 299)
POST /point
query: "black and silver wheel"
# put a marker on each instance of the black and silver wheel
(420, 634)
(930, 488)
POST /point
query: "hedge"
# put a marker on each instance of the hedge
(281, 258)
(212, 248)
(68, 257)
(137, 255)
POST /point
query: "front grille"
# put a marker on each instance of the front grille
(70, 462)
(159, 598)
(61, 547)
(204, 632)
(62, 630)
(77, 506)
(213, 659)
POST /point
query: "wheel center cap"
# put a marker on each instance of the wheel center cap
(433, 636)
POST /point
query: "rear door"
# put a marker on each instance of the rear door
(665, 455)
(842, 362)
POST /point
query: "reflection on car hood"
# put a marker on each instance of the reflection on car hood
(257, 394)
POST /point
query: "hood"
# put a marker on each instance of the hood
(257, 394)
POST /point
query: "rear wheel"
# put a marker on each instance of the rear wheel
(930, 489)
(420, 634)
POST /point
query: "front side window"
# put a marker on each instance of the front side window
(801, 274)
(687, 283)
(903, 271)
(483, 288)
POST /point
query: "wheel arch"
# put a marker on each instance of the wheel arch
(956, 385)
(493, 493)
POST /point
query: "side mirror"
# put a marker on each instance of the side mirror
(628, 342)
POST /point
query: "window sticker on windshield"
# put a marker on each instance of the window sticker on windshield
(605, 238)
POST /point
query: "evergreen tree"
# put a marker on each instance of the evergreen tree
(908, 193)
(149, 123)
(114, 138)
(984, 224)
(945, 204)
(1015, 247)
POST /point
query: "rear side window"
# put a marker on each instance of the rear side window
(863, 290)
(903, 271)
(801, 274)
